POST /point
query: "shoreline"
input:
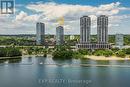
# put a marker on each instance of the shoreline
(103, 58)
(91, 57)
(16, 57)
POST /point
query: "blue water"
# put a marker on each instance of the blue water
(42, 72)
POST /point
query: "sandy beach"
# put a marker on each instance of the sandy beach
(92, 57)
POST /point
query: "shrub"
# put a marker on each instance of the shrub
(120, 53)
(127, 51)
(10, 52)
(83, 51)
(63, 54)
(106, 53)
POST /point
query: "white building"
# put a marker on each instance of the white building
(102, 29)
(40, 33)
(119, 40)
(59, 35)
(85, 26)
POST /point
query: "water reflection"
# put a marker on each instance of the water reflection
(30, 59)
(30, 74)
(103, 62)
(6, 61)
(61, 62)
(2, 61)
(14, 60)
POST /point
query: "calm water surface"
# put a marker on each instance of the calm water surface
(46, 72)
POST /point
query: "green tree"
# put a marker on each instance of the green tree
(62, 52)
(83, 51)
(2, 52)
(10, 52)
(107, 53)
(120, 53)
(127, 51)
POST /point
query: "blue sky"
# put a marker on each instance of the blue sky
(81, 2)
(28, 12)
(125, 3)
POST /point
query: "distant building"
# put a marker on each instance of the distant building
(59, 35)
(40, 33)
(102, 33)
(85, 26)
(102, 29)
(119, 40)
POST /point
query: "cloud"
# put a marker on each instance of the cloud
(50, 12)
(22, 16)
(53, 10)
(109, 6)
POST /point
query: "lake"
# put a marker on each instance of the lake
(37, 71)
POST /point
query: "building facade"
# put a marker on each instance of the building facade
(85, 26)
(93, 46)
(119, 40)
(102, 29)
(59, 35)
(40, 33)
(102, 33)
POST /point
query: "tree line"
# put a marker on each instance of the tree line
(10, 52)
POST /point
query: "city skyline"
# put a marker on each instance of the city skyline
(64, 43)
(28, 13)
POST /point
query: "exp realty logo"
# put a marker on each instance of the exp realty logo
(7, 6)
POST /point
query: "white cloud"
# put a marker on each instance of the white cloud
(109, 6)
(54, 10)
(50, 12)
(22, 16)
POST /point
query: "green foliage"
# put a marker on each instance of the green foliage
(83, 51)
(77, 55)
(62, 52)
(127, 39)
(28, 41)
(127, 51)
(112, 39)
(115, 49)
(2, 52)
(106, 53)
(36, 50)
(98, 52)
(6, 40)
(10, 52)
(29, 50)
(120, 53)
